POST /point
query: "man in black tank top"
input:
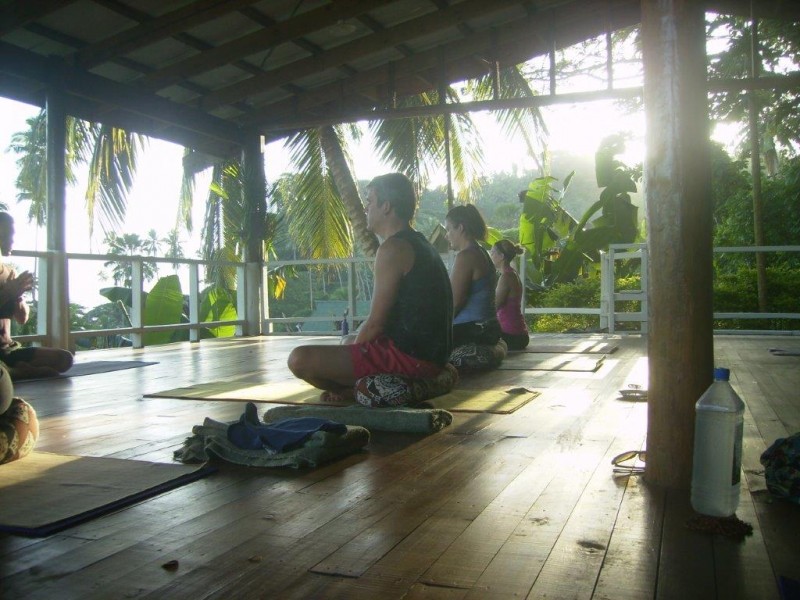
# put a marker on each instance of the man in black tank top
(409, 328)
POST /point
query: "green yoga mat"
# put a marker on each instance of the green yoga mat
(404, 420)
(44, 493)
(293, 392)
(286, 392)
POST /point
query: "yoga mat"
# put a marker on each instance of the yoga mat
(583, 348)
(560, 362)
(287, 392)
(97, 366)
(44, 493)
(293, 392)
(500, 402)
(782, 352)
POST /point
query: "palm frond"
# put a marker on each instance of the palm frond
(318, 218)
(111, 171)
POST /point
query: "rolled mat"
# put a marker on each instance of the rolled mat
(404, 420)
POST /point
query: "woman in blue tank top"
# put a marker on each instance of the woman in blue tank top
(472, 278)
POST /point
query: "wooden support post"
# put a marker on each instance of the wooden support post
(446, 117)
(56, 297)
(255, 190)
(679, 210)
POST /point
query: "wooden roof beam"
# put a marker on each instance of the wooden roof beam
(516, 43)
(155, 29)
(284, 31)
(77, 82)
(18, 14)
(360, 47)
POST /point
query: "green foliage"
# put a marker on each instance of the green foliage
(737, 291)
(543, 223)
(129, 244)
(580, 293)
(163, 306)
(779, 49)
(217, 305)
(733, 212)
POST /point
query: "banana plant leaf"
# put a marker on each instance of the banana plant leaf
(163, 306)
(116, 294)
(217, 306)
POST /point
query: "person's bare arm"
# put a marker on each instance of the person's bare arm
(22, 311)
(13, 288)
(393, 260)
(503, 289)
(461, 280)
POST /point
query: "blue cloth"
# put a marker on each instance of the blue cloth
(251, 434)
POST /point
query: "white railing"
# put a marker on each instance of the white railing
(756, 315)
(608, 314)
(350, 264)
(137, 329)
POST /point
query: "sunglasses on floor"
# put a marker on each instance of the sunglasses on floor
(632, 457)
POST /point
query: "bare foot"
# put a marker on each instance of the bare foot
(338, 397)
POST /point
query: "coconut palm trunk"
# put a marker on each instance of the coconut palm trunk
(348, 191)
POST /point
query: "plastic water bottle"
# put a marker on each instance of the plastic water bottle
(717, 463)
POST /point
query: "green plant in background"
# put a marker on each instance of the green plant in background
(543, 224)
(618, 222)
(576, 294)
(560, 248)
(165, 304)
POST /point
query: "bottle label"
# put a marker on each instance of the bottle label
(737, 454)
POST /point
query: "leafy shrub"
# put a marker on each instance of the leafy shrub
(738, 292)
(581, 293)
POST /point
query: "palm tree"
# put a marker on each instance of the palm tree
(415, 146)
(127, 244)
(110, 153)
(174, 246)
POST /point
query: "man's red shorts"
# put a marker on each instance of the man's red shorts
(382, 356)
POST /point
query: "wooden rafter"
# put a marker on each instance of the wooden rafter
(19, 14)
(358, 48)
(258, 41)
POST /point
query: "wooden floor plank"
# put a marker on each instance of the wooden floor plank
(494, 506)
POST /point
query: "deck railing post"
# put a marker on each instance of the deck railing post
(644, 306)
(194, 302)
(266, 327)
(606, 299)
(137, 301)
(351, 291)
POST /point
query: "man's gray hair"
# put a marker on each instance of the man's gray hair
(398, 191)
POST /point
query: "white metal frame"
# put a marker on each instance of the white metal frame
(253, 317)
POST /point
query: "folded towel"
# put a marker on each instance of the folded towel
(211, 440)
(250, 434)
(408, 420)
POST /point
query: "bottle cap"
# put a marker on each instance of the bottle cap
(722, 374)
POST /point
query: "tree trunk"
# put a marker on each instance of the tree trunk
(348, 190)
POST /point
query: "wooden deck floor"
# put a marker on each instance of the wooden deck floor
(495, 506)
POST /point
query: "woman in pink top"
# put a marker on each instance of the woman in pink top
(508, 296)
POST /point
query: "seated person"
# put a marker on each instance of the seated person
(408, 331)
(472, 279)
(508, 296)
(21, 362)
